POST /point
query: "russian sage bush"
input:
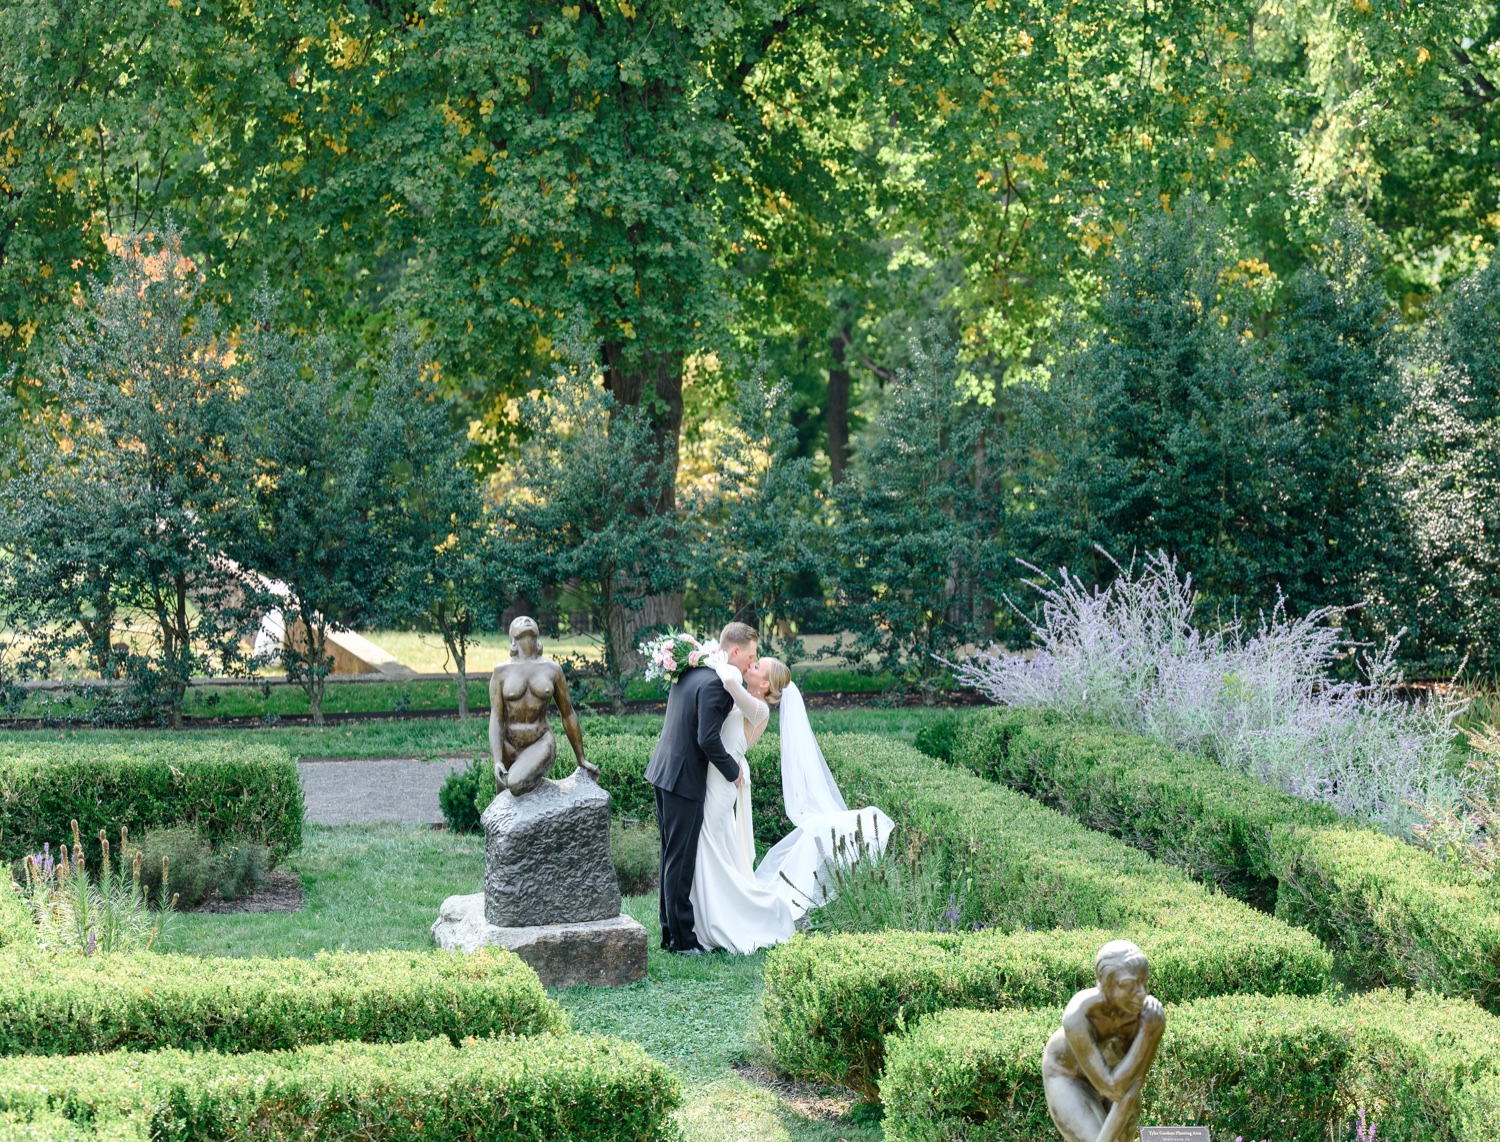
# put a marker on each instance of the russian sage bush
(1261, 700)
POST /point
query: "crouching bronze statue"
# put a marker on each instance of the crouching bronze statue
(1094, 1066)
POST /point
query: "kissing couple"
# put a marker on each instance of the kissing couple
(712, 894)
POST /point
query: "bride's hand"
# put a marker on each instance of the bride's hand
(726, 672)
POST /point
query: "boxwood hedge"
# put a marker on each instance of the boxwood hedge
(1183, 809)
(1391, 913)
(244, 791)
(1292, 1069)
(68, 1004)
(829, 1001)
(543, 1088)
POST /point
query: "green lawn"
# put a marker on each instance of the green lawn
(380, 886)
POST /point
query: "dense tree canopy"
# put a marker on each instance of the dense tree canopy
(1179, 246)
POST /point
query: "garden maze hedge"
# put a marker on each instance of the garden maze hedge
(385, 1045)
(830, 1001)
(1392, 914)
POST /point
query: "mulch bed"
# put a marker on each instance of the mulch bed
(826, 1104)
(281, 892)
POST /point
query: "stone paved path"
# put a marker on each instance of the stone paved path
(341, 791)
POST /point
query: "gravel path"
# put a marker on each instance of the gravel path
(341, 791)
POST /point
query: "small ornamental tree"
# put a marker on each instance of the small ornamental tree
(127, 482)
(583, 507)
(759, 537)
(917, 537)
(317, 491)
(445, 577)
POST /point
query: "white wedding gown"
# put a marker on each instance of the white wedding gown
(731, 909)
(740, 908)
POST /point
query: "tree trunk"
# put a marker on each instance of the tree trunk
(654, 381)
(317, 653)
(838, 407)
(624, 625)
(463, 687)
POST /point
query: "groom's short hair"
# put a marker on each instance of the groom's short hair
(737, 634)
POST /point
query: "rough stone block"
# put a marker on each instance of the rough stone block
(606, 953)
(547, 857)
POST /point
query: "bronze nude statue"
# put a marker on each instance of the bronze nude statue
(521, 690)
(1094, 1066)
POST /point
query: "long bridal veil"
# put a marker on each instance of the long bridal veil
(827, 829)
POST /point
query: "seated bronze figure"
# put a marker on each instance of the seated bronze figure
(521, 691)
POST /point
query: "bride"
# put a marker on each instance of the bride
(736, 906)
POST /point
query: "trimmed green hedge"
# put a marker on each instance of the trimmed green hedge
(1185, 810)
(1032, 867)
(544, 1088)
(64, 1005)
(240, 791)
(829, 1001)
(1281, 1068)
(1391, 913)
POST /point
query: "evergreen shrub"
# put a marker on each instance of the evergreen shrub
(1292, 1069)
(542, 1089)
(57, 1005)
(244, 792)
(1392, 914)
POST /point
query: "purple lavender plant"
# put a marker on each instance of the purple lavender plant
(950, 915)
(1259, 700)
(1361, 1133)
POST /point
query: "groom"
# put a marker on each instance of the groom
(696, 708)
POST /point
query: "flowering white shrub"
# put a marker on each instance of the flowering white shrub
(1261, 701)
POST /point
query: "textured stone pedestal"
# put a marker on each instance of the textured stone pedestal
(608, 953)
(546, 858)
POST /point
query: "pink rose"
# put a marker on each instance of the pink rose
(694, 656)
(670, 663)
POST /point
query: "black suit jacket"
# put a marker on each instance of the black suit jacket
(697, 705)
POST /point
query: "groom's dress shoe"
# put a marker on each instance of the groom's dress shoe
(688, 951)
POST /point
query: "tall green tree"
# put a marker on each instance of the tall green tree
(445, 576)
(1449, 472)
(127, 485)
(1338, 343)
(582, 508)
(758, 529)
(919, 544)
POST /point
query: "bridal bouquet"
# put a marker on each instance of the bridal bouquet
(669, 656)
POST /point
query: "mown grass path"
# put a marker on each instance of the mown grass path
(379, 886)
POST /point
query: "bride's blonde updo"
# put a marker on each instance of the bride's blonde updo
(778, 677)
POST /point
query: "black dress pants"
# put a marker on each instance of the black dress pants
(679, 821)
